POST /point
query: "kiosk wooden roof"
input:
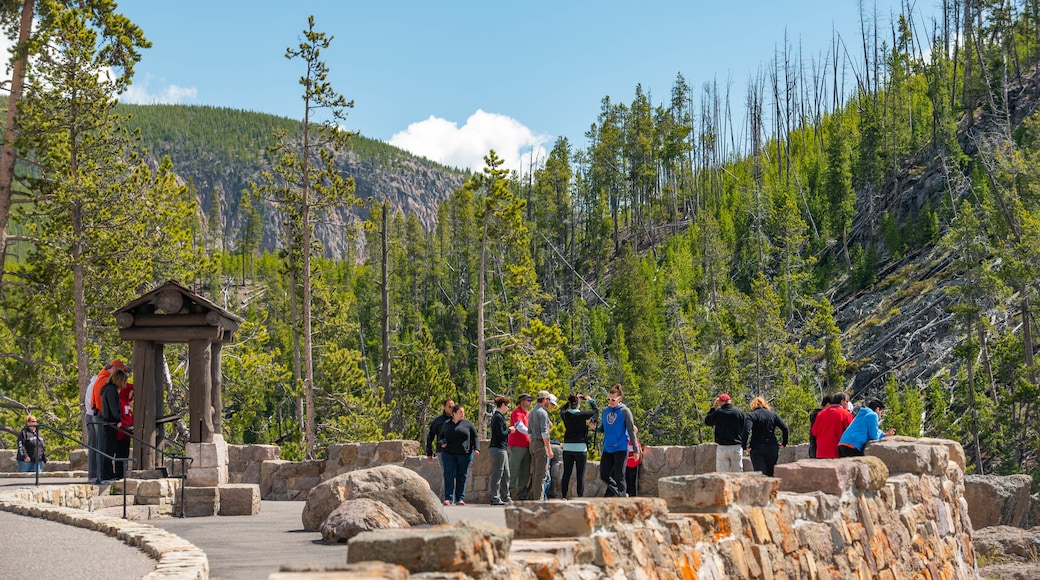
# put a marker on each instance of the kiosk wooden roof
(170, 314)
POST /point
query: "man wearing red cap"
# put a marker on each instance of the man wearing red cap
(730, 434)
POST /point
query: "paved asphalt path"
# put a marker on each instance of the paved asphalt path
(251, 547)
(238, 547)
(38, 549)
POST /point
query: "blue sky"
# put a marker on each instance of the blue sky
(452, 79)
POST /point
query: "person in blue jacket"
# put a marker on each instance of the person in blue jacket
(618, 429)
(864, 428)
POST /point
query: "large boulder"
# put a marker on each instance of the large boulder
(997, 500)
(358, 515)
(402, 490)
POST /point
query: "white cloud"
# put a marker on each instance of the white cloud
(140, 93)
(445, 142)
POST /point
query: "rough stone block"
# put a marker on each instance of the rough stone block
(793, 453)
(954, 448)
(580, 517)
(8, 463)
(831, 476)
(153, 488)
(78, 459)
(201, 501)
(212, 454)
(259, 453)
(467, 550)
(239, 499)
(397, 450)
(291, 469)
(207, 476)
(251, 474)
(717, 491)
(874, 476)
(366, 453)
(303, 484)
(910, 455)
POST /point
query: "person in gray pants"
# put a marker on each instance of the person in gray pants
(500, 453)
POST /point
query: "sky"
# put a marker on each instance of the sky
(451, 79)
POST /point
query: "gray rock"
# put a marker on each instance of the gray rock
(401, 489)
(997, 500)
(1005, 543)
(358, 515)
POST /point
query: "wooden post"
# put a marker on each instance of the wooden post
(216, 349)
(200, 391)
(144, 402)
(158, 374)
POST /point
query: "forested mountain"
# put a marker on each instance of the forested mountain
(220, 151)
(879, 240)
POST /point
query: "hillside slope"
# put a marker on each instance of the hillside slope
(901, 325)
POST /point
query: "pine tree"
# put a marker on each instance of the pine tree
(306, 182)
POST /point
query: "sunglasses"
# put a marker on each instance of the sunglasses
(613, 398)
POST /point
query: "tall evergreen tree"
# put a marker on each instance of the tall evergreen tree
(306, 181)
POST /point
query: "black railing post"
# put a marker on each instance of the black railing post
(184, 480)
(126, 465)
(38, 460)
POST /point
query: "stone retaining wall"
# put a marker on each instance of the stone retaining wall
(292, 480)
(898, 513)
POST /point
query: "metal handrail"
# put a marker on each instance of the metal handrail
(95, 450)
(182, 458)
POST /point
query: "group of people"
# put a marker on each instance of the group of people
(109, 412)
(835, 432)
(754, 432)
(108, 406)
(522, 451)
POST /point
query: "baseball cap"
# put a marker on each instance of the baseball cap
(552, 399)
(724, 398)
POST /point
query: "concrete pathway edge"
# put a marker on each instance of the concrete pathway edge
(178, 558)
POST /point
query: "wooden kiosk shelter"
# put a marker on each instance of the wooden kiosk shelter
(172, 314)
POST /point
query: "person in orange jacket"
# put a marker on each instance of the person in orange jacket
(93, 409)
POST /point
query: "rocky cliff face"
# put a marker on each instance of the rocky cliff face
(411, 184)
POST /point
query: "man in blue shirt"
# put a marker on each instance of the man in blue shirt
(618, 431)
(864, 428)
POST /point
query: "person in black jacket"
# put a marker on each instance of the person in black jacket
(762, 422)
(433, 434)
(499, 450)
(111, 415)
(576, 425)
(730, 434)
(458, 443)
(31, 455)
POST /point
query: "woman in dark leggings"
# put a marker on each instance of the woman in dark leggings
(576, 441)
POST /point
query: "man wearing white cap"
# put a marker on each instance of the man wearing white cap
(541, 451)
